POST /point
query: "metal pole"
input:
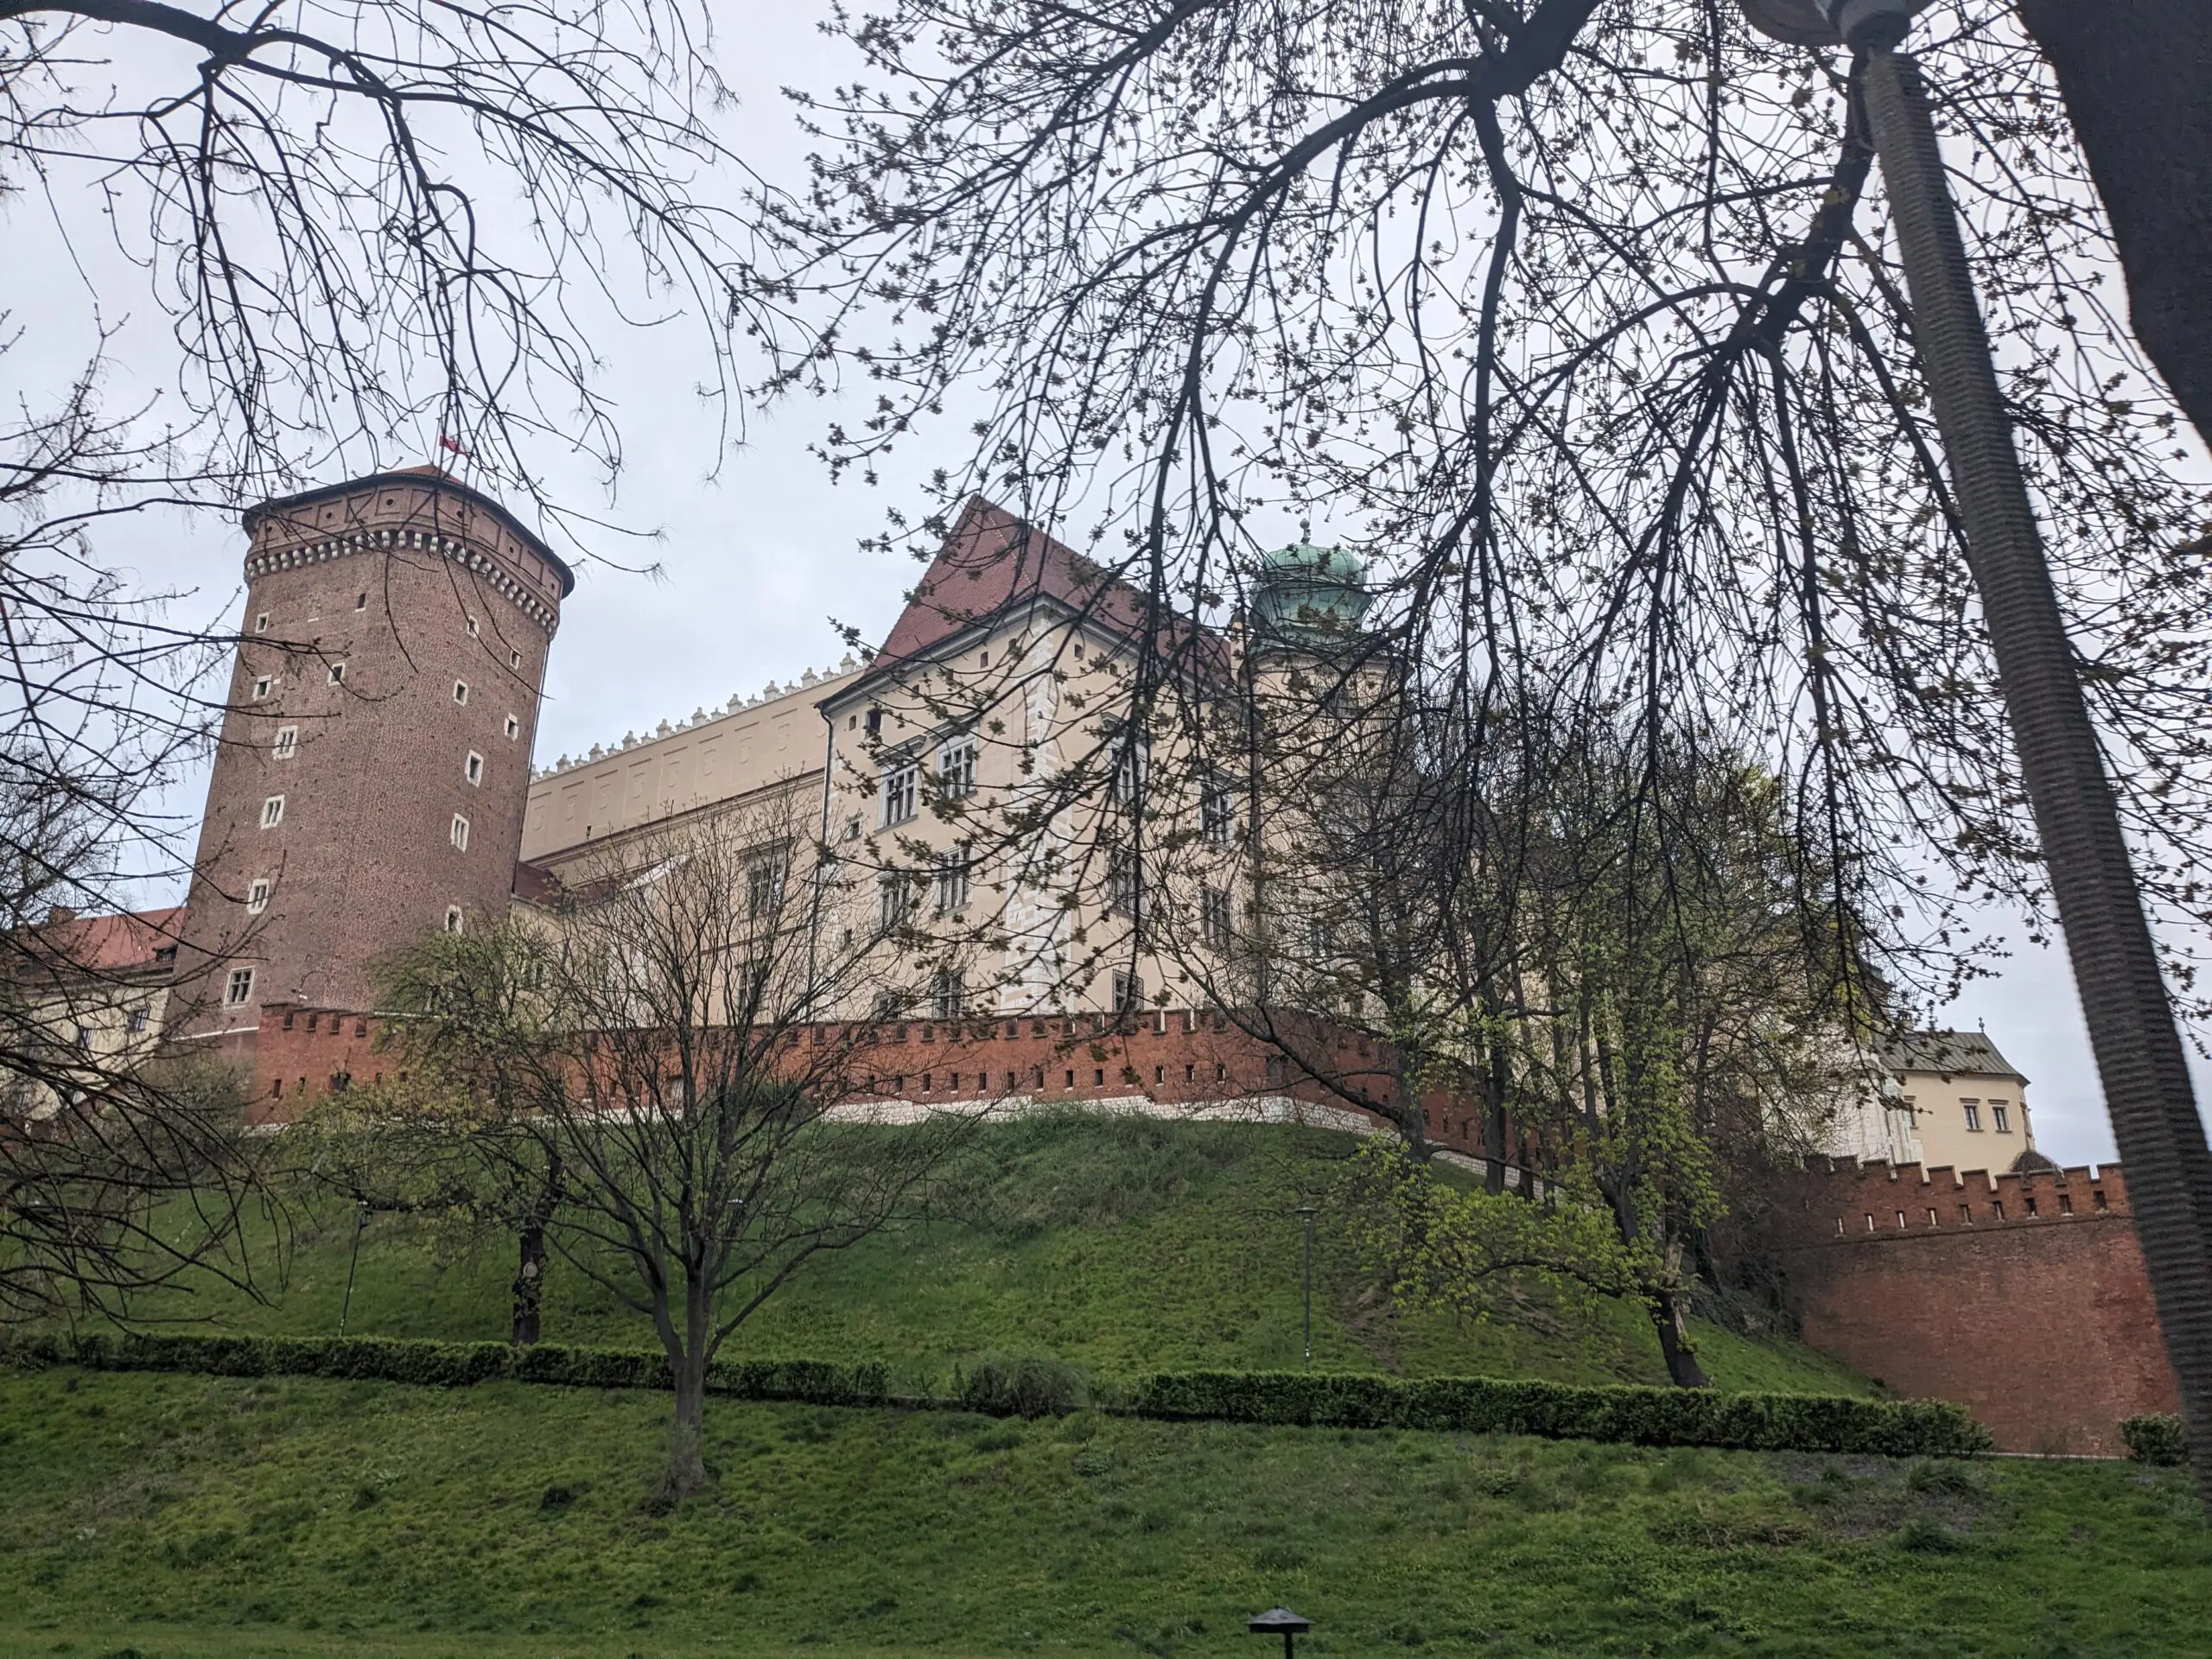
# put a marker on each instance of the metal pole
(2139, 1050)
(1306, 1211)
(360, 1219)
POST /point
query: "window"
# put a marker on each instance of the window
(471, 627)
(135, 1022)
(1213, 918)
(947, 993)
(272, 811)
(460, 691)
(261, 688)
(361, 601)
(1999, 1118)
(455, 922)
(1128, 993)
(338, 673)
(288, 742)
(472, 768)
(256, 895)
(955, 769)
(84, 1039)
(853, 828)
(514, 728)
(1320, 938)
(899, 793)
(892, 899)
(261, 623)
(1124, 884)
(955, 877)
(459, 833)
(1973, 1113)
(889, 1005)
(1216, 812)
(1132, 765)
(238, 991)
(875, 723)
(514, 659)
(764, 883)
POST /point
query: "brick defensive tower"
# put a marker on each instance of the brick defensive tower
(375, 757)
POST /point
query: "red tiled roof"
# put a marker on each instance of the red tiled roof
(127, 943)
(992, 562)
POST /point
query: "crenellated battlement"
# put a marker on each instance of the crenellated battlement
(1838, 1200)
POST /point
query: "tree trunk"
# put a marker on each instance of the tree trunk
(686, 1433)
(2108, 940)
(530, 1284)
(2134, 75)
(1669, 1316)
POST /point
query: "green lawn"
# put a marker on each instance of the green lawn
(168, 1516)
(1122, 1244)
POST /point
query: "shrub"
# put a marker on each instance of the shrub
(1022, 1385)
(1760, 1422)
(2156, 1437)
(450, 1364)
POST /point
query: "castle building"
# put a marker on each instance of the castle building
(374, 761)
(1968, 1103)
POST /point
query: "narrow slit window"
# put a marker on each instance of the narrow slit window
(256, 895)
(361, 601)
(454, 919)
(460, 691)
(261, 623)
(288, 742)
(338, 673)
(459, 833)
(513, 728)
(272, 811)
(471, 627)
(472, 768)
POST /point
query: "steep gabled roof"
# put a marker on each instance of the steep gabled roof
(129, 943)
(990, 565)
(1948, 1053)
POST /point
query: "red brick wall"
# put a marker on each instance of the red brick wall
(301, 1055)
(2025, 1299)
(363, 861)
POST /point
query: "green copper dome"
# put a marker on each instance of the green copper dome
(1310, 595)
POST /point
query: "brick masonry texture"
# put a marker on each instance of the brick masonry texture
(384, 576)
(2022, 1297)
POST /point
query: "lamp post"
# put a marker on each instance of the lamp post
(2132, 1031)
(1281, 1621)
(346, 1307)
(1309, 1212)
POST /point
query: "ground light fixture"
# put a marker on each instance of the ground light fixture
(1309, 1212)
(1281, 1621)
(2139, 1058)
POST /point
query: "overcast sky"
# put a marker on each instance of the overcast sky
(757, 563)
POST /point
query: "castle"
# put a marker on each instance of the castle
(374, 781)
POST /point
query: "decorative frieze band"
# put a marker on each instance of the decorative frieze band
(365, 541)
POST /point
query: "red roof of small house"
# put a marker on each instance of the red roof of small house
(129, 942)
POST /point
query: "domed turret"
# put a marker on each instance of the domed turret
(1311, 597)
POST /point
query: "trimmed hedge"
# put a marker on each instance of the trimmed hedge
(1638, 1416)
(2155, 1437)
(451, 1365)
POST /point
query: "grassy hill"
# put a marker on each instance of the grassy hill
(1121, 1245)
(171, 1517)
(154, 1516)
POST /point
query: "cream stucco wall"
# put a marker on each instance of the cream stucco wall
(1946, 1132)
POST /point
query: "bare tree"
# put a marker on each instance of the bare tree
(654, 1043)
